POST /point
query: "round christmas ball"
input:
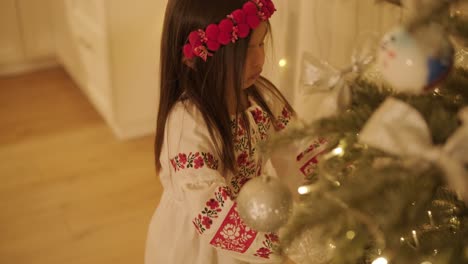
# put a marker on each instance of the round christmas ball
(414, 62)
(264, 204)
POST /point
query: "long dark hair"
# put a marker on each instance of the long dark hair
(204, 83)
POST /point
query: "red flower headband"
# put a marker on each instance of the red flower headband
(237, 25)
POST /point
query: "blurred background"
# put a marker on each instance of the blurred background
(78, 101)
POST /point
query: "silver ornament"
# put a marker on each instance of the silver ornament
(264, 204)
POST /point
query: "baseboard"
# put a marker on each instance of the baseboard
(133, 130)
(27, 66)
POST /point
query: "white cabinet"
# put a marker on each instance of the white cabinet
(111, 48)
(10, 36)
(26, 37)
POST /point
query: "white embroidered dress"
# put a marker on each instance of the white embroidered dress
(197, 221)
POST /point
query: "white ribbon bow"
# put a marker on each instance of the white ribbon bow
(320, 77)
(398, 129)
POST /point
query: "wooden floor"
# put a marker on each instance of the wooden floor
(69, 191)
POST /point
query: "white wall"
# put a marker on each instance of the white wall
(328, 30)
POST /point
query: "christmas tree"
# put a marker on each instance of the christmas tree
(392, 185)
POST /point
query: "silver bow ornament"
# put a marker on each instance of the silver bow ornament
(399, 129)
(320, 77)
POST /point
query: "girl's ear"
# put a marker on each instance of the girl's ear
(189, 62)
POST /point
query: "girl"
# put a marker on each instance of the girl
(214, 109)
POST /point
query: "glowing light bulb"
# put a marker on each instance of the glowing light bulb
(338, 151)
(282, 63)
(380, 260)
(303, 190)
(350, 235)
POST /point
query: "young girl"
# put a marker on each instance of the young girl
(214, 109)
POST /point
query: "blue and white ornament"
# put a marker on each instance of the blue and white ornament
(415, 62)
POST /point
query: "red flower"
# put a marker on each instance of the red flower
(263, 252)
(242, 158)
(244, 30)
(213, 45)
(212, 203)
(250, 9)
(182, 158)
(198, 162)
(286, 113)
(212, 34)
(207, 222)
(271, 7)
(188, 51)
(239, 16)
(253, 21)
(194, 38)
(226, 25)
(224, 37)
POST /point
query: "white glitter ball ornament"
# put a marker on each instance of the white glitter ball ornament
(264, 204)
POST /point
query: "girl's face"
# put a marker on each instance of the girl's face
(255, 55)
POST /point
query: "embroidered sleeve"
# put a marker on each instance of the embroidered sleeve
(196, 174)
(218, 223)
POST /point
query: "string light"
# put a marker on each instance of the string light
(282, 63)
(338, 151)
(380, 260)
(415, 237)
(431, 219)
(350, 235)
(303, 190)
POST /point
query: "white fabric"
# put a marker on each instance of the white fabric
(196, 221)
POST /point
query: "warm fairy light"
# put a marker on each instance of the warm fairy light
(402, 239)
(303, 190)
(415, 238)
(332, 246)
(350, 235)
(338, 151)
(426, 262)
(282, 63)
(431, 219)
(380, 260)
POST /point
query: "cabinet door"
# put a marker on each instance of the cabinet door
(36, 24)
(11, 49)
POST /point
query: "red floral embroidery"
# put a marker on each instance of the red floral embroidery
(207, 222)
(270, 245)
(309, 167)
(283, 120)
(212, 203)
(258, 115)
(242, 159)
(204, 220)
(315, 145)
(263, 122)
(233, 234)
(195, 160)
